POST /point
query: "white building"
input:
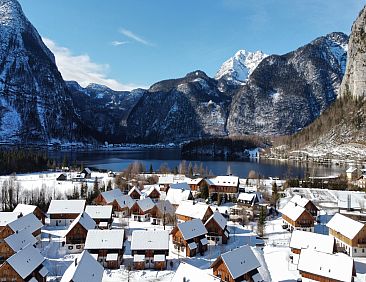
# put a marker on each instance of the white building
(63, 212)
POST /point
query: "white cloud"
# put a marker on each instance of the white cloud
(82, 69)
(118, 43)
(135, 37)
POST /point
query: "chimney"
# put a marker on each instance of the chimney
(76, 261)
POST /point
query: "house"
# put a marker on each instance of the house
(224, 185)
(162, 213)
(102, 215)
(25, 265)
(301, 240)
(83, 268)
(14, 243)
(150, 249)
(152, 192)
(62, 177)
(107, 197)
(190, 237)
(176, 195)
(237, 265)
(196, 183)
(190, 209)
(141, 210)
(216, 226)
(87, 173)
(63, 212)
(318, 266)
(165, 182)
(305, 203)
(76, 234)
(248, 199)
(5, 218)
(352, 173)
(349, 234)
(295, 217)
(134, 193)
(107, 245)
(122, 205)
(29, 223)
(27, 209)
(188, 272)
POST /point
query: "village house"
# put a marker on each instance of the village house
(318, 266)
(188, 272)
(190, 237)
(313, 241)
(163, 213)
(152, 192)
(14, 243)
(296, 217)
(248, 199)
(107, 197)
(27, 209)
(5, 219)
(122, 206)
(149, 249)
(141, 210)
(306, 204)
(134, 193)
(102, 215)
(29, 223)
(84, 268)
(76, 234)
(63, 212)
(237, 265)
(190, 209)
(196, 183)
(165, 182)
(349, 234)
(352, 173)
(216, 226)
(227, 186)
(177, 193)
(25, 265)
(107, 245)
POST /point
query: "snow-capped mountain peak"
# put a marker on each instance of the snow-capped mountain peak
(238, 68)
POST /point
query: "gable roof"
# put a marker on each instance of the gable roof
(181, 186)
(26, 261)
(338, 266)
(150, 240)
(192, 209)
(85, 221)
(188, 272)
(146, 204)
(99, 212)
(192, 228)
(86, 268)
(125, 201)
(219, 219)
(351, 169)
(28, 222)
(7, 217)
(110, 196)
(25, 209)
(66, 206)
(20, 240)
(248, 197)
(133, 189)
(293, 211)
(301, 201)
(345, 225)
(230, 181)
(193, 181)
(176, 196)
(240, 261)
(104, 239)
(148, 189)
(168, 179)
(313, 241)
(169, 209)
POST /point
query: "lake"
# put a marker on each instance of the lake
(119, 160)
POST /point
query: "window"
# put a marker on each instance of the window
(363, 250)
(355, 250)
(70, 247)
(78, 247)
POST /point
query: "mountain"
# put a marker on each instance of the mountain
(35, 106)
(238, 68)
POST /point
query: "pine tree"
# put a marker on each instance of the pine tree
(261, 221)
(151, 170)
(275, 195)
(109, 185)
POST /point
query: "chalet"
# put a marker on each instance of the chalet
(86, 172)
(216, 226)
(190, 237)
(7, 217)
(29, 223)
(14, 243)
(152, 192)
(301, 240)
(165, 182)
(61, 177)
(83, 268)
(318, 266)
(107, 197)
(305, 203)
(296, 217)
(227, 186)
(248, 199)
(76, 234)
(352, 173)
(349, 234)
(102, 215)
(188, 272)
(176, 195)
(141, 210)
(237, 265)
(162, 213)
(150, 249)
(27, 209)
(63, 212)
(134, 193)
(122, 206)
(107, 245)
(190, 209)
(25, 265)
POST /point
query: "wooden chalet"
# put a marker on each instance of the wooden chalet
(190, 209)
(190, 237)
(150, 249)
(196, 183)
(313, 241)
(135, 193)
(29, 223)
(349, 234)
(141, 210)
(240, 264)
(305, 203)
(14, 243)
(27, 209)
(224, 185)
(102, 215)
(163, 213)
(295, 217)
(216, 226)
(107, 197)
(122, 206)
(179, 192)
(165, 182)
(107, 245)
(152, 192)
(63, 212)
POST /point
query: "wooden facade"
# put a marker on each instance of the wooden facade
(9, 274)
(206, 216)
(5, 250)
(315, 277)
(102, 254)
(220, 270)
(180, 242)
(135, 194)
(305, 220)
(60, 218)
(156, 213)
(223, 189)
(99, 200)
(215, 230)
(40, 215)
(154, 195)
(149, 259)
(197, 186)
(311, 208)
(77, 235)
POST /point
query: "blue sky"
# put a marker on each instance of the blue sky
(130, 43)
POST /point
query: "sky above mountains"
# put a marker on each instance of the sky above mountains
(135, 43)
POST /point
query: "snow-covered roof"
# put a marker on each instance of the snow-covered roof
(176, 196)
(338, 267)
(240, 261)
(148, 189)
(28, 222)
(104, 239)
(219, 218)
(231, 181)
(7, 217)
(87, 170)
(99, 212)
(26, 261)
(192, 228)
(150, 240)
(247, 197)
(180, 186)
(193, 181)
(301, 201)
(25, 209)
(351, 169)
(134, 188)
(66, 206)
(146, 204)
(84, 268)
(20, 240)
(168, 179)
(85, 220)
(292, 211)
(188, 272)
(345, 225)
(125, 201)
(313, 241)
(111, 195)
(169, 209)
(192, 209)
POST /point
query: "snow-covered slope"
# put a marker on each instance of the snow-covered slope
(238, 68)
